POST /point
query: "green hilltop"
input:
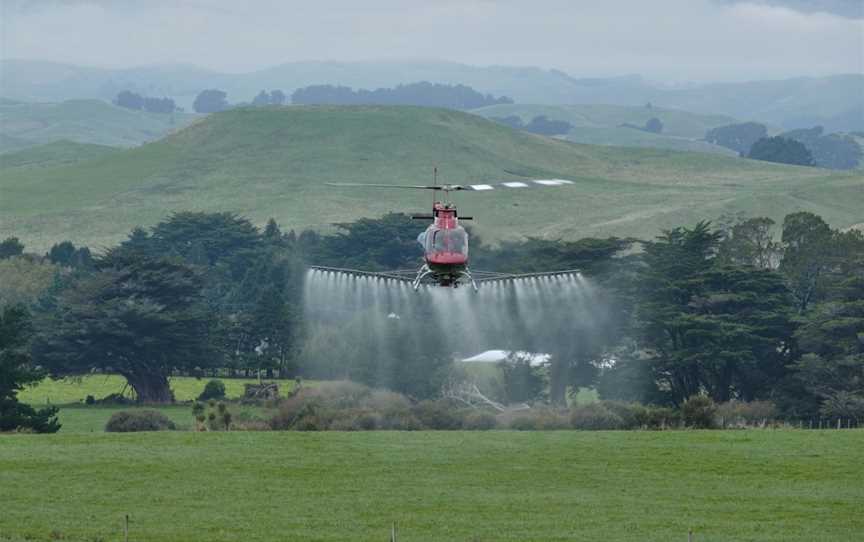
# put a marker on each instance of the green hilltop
(274, 162)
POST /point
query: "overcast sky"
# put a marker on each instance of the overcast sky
(680, 40)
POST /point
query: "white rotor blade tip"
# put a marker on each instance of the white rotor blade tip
(515, 185)
(481, 187)
(552, 182)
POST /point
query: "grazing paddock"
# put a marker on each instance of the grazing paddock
(75, 390)
(766, 485)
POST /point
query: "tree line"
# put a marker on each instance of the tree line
(137, 102)
(803, 147)
(739, 311)
(422, 93)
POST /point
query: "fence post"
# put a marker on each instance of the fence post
(838, 423)
(690, 535)
(126, 528)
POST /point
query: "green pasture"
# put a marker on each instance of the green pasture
(765, 485)
(275, 162)
(75, 390)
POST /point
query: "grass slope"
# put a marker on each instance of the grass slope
(273, 162)
(81, 121)
(54, 154)
(602, 125)
(625, 486)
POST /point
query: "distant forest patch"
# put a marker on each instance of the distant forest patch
(423, 93)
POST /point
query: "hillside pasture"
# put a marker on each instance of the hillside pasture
(275, 162)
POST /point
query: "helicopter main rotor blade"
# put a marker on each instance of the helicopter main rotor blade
(527, 183)
(368, 185)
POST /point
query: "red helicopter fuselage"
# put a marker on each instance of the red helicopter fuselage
(445, 245)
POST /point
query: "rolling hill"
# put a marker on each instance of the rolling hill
(25, 124)
(602, 125)
(273, 162)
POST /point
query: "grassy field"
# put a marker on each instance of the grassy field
(76, 390)
(273, 162)
(82, 121)
(480, 486)
(75, 417)
(602, 125)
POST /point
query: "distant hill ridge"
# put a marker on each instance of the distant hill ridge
(833, 102)
(274, 162)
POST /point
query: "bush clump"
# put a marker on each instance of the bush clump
(479, 421)
(658, 417)
(594, 417)
(439, 414)
(214, 389)
(537, 419)
(129, 421)
(699, 411)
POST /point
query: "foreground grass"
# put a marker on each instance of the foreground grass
(731, 485)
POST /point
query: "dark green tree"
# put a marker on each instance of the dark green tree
(751, 243)
(781, 150)
(522, 382)
(66, 255)
(830, 373)
(709, 328)
(654, 125)
(738, 137)
(138, 316)
(16, 372)
(11, 246)
(210, 101)
(808, 256)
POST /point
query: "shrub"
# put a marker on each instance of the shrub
(698, 412)
(656, 417)
(115, 399)
(127, 421)
(314, 409)
(631, 414)
(480, 421)
(537, 419)
(355, 420)
(594, 417)
(90, 400)
(737, 413)
(439, 414)
(214, 389)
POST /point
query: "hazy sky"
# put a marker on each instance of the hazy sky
(661, 39)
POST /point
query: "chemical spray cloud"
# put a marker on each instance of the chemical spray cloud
(354, 322)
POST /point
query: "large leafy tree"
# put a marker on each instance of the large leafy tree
(137, 315)
(809, 251)
(830, 372)
(16, 371)
(738, 137)
(781, 150)
(707, 327)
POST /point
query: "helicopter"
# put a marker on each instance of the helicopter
(445, 241)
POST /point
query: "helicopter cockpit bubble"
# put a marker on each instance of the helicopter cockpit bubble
(453, 240)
